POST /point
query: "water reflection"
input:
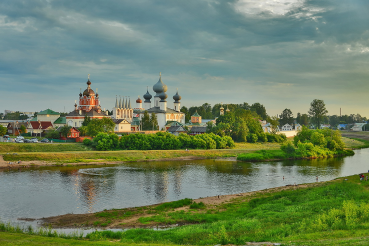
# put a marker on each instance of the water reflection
(42, 192)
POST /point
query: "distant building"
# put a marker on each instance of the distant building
(358, 127)
(122, 125)
(287, 127)
(160, 109)
(89, 105)
(74, 133)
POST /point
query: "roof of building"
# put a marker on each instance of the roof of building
(135, 121)
(160, 87)
(196, 114)
(158, 110)
(44, 124)
(48, 111)
(120, 121)
(61, 120)
(176, 129)
(198, 129)
(174, 123)
(90, 113)
(13, 124)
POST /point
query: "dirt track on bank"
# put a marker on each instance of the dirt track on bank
(87, 220)
(360, 135)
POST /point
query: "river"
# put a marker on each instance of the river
(49, 191)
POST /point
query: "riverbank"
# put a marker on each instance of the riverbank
(29, 159)
(319, 213)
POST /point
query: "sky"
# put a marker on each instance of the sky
(280, 53)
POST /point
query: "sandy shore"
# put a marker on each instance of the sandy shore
(27, 164)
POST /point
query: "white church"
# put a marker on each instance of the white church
(164, 114)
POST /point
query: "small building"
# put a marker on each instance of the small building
(14, 127)
(298, 127)
(121, 125)
(74, 133)
(287, 127)
(39, 127)
(342, 126)
(176, 130)
(196, 130)
(196, 119)
(358, 127)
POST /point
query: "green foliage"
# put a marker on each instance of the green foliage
(23, 129)
(86, 120)
(87, 141)
(83, 130)
(252, 138)
(262, 155)
(199, 205)
(289, 149)
(96, 126)
(3, 130)
(317, 112)
(53, 134)
(104, 141)
(65, 130)
(175, 204)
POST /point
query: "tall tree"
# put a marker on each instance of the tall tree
(317, 112)
(3, 130)
(260, 110)
(274, 123)
(154, 122)
(184, 110)
(145, 121)
(65, 130)
(100, 125)
(304, 120)
(286, 117)
(86, 120)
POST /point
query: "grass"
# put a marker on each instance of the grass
(64, 155)
(339, 210)
(363, 143)
(42, 147)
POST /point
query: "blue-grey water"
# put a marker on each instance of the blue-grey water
(44, 191)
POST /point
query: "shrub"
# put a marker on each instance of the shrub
(87, 141)
(252, 138)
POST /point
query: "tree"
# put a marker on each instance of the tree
(23, 129)
(184, 110)
(97, 126)
(83, 130)
(304, 121)
(145, 121)
(3, 130)
(274, 123)
(260, 110)
(86, 120)
(154, 122)
(286, 117)
(317, 111)
(53, 134)
(65, 131)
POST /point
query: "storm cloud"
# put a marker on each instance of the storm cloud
(282, 54)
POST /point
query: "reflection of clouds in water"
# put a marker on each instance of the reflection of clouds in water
(54, 191)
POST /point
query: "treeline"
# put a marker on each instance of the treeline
(159, 141)
(243, 125)
(308, 143)
(208, 112)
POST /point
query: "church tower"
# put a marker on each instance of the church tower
(177, 103)
(221, 109)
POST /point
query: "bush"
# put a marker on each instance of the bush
(87, 141)
(252, 138)
(289, 149)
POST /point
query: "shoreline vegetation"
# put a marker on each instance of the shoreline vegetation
(320, 213)
(69, 154)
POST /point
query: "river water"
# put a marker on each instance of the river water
(44, 191)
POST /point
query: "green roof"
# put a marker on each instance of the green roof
(196, 114)
(34, 119)
(173, 123)
(61, 120)
(48, 111)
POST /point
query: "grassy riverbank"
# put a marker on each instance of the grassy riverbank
(324, 213)
(81, 155)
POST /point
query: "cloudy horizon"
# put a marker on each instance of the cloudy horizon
(281, 53)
